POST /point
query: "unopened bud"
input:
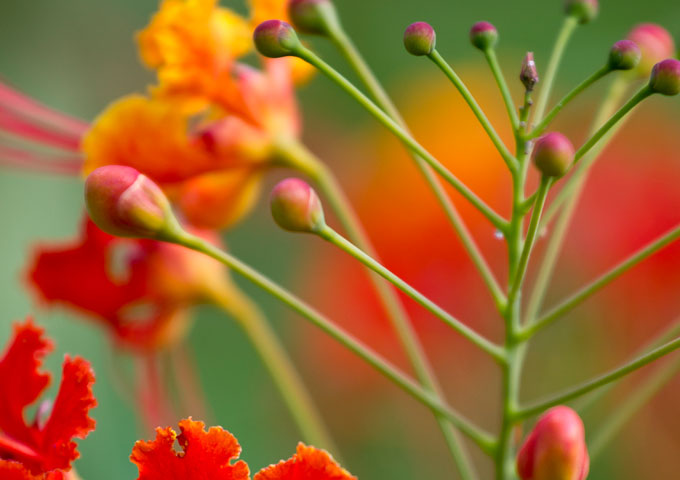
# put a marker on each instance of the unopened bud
(125, 203)
(665, 78)
(624, 55)
(553, 154)
(585, 11)
(420, 39)
(296, 207)
(555, 449)
(655, 44)
(483, 35)
(318, 17)
(528, 75)
(276, 38)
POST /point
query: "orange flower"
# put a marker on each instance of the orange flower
(308, 462)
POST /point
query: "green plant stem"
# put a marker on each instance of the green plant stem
(601, 381)
(631, 405)
(541, 127)
(403, 136)
(439, 61)
(596, 285)
(483, 439)
(280, 367)
(330, 235)
(407, 335)
(568, 27)
(492, 60)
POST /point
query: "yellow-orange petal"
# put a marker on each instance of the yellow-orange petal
(307, 463)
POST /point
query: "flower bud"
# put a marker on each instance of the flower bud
(553, 154)
(420, 39)
(665, 78)
(296, 206)
(125, 203)
(483, 35)
(318, 17)
(555, 449)
(655, 44)
(528, 75)
(624, 55)
(276, 38)
(585, 11)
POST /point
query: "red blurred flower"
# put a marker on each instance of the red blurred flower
(45, 446)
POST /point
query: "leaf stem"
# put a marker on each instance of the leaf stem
(492, 60)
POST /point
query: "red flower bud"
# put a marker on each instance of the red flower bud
(655, 44)
(420, 39)
(528, 75)
(296, 207)
(555, 449)
(125, 203)
(665, 78)
(313, 16)
(553, 154)
(584, 10)
(624, 55)
(483, 35)
(276, 38)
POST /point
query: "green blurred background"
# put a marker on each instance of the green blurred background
(78, 55)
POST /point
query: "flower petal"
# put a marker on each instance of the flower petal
(307, 463)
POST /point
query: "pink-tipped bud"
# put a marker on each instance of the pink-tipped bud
(655, 44)
(555, 449)
(276, 38)
(585, 11)
(665, 78)
(296, 207)
(624, 55)
(420, 39)
(125, 203)
(317, 17)
(483, 35)
(528, 75)
(553, 154)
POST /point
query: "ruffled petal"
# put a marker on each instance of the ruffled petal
(307, 463)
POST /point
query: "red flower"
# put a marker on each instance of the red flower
(307, 463)
(34, 450)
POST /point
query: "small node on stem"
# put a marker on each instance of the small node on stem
(296, 207)
(317, 17)
(483, 35)
(624, 55)
(655, 44)
(276, 38)
(125, 203)
(665, 78)
(420, 39)
(553, 154)
(584, 11)
(528, 75)
(555, 448)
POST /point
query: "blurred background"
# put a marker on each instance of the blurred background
(79, 55)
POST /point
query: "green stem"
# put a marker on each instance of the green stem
(495, 67)
(568, 27)
(509, 159)
(601, 381)
(602, 281)
(403, 136)
(540, 128)
(279, 366)
(327, 233)
(483, 439)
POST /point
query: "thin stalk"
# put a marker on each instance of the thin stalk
(330, 235)
(279, 365)
(492, 60)
(599, 382)
(599, 74)
(403, 136)
(483, 439)
(596, 285)
(568, 27)
(443, 65)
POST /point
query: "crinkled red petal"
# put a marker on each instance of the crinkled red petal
(307, 463)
